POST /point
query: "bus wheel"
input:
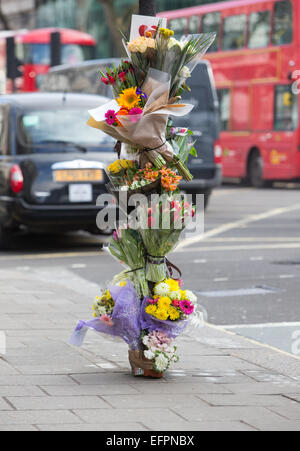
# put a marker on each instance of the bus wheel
(255, 170)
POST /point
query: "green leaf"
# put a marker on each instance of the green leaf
(194, 152)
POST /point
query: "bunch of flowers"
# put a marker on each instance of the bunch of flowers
(126, 175)
(160, 50)
(119, 78)
(161, 225)
(103, 307)
(143, 306)
(160, 349)
(170, 302)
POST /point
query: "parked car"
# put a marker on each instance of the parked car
(204, 119)
(51, 163)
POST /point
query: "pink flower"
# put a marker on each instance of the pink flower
(107, 320)
(187, 307)
(115, 236)
(180, 281)
(159, 338)
(176, 303)
(111, 117)
(135, 114)
(152, 301)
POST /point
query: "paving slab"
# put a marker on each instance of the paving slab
(222, 383)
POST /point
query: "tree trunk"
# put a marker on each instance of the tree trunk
(147, 7)
(111, 18)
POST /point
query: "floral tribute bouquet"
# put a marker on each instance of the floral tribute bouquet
(144, 305)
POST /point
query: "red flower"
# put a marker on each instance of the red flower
(105, 80)
(122, 76)
(151, 222)
(112, 80)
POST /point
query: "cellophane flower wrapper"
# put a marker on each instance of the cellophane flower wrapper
(171, 328)
(160, 237)
(147, 130)
(127, 247)
(181, 56)
(125, 318)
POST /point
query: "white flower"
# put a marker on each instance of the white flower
(173, 42)
(185, 72)
(146, 340)
(162, 289)
(175, 295)
(161, 363)
(149, 355)
(101, 310)
(190, 296)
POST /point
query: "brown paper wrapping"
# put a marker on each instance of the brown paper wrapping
(149, 132)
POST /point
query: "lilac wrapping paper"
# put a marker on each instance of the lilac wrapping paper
(171, 328)
(126, 319)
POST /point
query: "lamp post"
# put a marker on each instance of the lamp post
(147, 7)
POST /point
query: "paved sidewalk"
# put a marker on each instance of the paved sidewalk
(223, 382)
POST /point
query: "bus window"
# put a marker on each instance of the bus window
(286, 109)
(211, 23)
(224, 108)
(235, 29)
(179, 26)
(283, 23)
(260, 29)
(195, 24)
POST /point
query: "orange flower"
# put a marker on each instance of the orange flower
(122, 112)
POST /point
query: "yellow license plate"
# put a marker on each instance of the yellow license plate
(79, 175)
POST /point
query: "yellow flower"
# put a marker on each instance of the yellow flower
(151, 310)
(95, 315)
(174, 314)
(141, 44)
(162, 314)
(166, 33)
(129, 98)
(183, 295)
(164, 302)
(123, 284)
(173, 284)
(123, 164)
(115, 167)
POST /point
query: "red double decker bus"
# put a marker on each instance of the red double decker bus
(34, 53)
(255, 60)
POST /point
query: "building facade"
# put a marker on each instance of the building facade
(19, 13)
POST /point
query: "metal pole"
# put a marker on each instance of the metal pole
(147, 7)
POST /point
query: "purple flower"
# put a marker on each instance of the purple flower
(141, 93)
(115, 236)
